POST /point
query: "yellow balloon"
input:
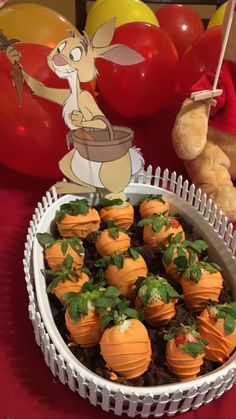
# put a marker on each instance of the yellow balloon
(125, 11)
(36, 24)
(218, 16)
(95, 4)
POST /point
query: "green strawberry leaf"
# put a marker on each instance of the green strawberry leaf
(197, 246)
(104, 202)
(105, 320)
(151, 198)
(68, 262)
(64, 247)
(229, 324)
(45, 239)
(118, 260)
(112, 292)
(133, 253)
(168, 255)
(194, 348)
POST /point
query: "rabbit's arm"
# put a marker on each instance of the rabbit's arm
(88, 111)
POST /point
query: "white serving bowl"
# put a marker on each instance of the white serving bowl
(169, 399)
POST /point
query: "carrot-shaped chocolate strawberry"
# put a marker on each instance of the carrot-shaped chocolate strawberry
(177, 247)
(56, 251)
(123, 269)
(185, 350)
(125, 344)
(117, 210)
(158, 228)
(156, 298)
(68, 278)
(153, 204)
(16, 71)
(113, 239)
(82, 315)
(76, 218)
(201, 282)
(217, 325)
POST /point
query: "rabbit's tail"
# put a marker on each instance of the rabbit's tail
(137, 160)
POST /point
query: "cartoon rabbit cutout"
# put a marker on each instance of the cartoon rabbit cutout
(74, 59)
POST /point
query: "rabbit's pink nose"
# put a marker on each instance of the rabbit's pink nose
(58, 59)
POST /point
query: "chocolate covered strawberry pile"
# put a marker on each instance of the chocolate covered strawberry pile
(133, 292)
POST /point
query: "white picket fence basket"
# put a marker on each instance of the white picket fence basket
(112, 397)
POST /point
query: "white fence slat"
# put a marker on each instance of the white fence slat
(157, 176)
(149, 175)
(106, 401)
(191, 194)
(175, 401)
(71, 377)
(161, 405)
(185, 190)
(179, 185)
(53, 359)
(93, 393)
(61, 369)
(173, 181)
(133, 402)
(81, 385)
(197, 199)
(223, 227)
(165, 179)
(229, 233)
(147, 404)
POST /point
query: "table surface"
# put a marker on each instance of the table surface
(28, 388)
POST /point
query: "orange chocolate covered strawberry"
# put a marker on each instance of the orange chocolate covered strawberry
(153, 204)
(76, 218)
(177, 250)
(67, 278)
(158, 228)
(217, 325)
(185, 350)
(113, 239)
(116, 210)
(125, 345)
(201, 282)
(157, 299)
(82, 315)
(123, 269)
(56, 251)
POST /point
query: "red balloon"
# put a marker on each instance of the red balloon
(33, 135)
(140, 90)
(202, 56)
(181, 23)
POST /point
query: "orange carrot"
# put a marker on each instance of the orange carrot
(117, 210)
(216, 324)
(125, 346)
(56, 251)
(153, 204)
(111, 240)
(76, 218)
(156, 298)
(158, 228)
(201, 282)
(185, 350)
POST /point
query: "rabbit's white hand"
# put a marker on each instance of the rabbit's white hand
(76, 118)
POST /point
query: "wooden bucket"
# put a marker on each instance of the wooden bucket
(101, 145)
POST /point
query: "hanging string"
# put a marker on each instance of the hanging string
(222, 53)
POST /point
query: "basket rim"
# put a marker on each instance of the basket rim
(158, 390)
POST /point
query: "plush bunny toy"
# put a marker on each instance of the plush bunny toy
(207, 144)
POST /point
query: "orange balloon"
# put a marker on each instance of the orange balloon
(33, 23)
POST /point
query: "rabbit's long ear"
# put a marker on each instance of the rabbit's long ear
(119, 54)
(104, 34)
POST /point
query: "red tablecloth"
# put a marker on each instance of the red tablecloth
(28, 389)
